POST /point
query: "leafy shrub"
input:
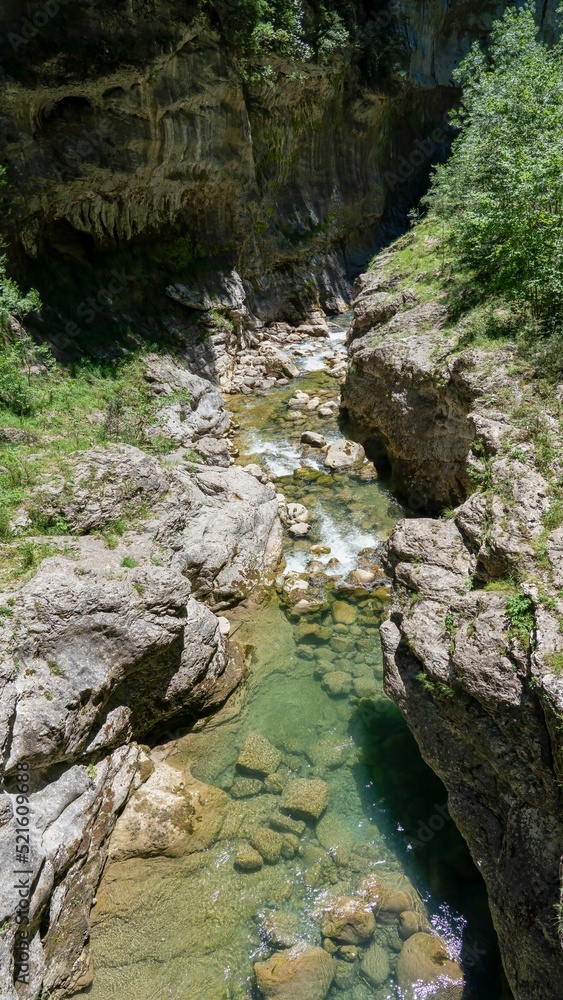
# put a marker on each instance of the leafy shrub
(500, 195)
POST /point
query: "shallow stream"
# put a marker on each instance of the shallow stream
(192, 927)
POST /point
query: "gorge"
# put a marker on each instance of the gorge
(204, 512)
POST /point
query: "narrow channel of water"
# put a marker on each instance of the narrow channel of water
(192, 927)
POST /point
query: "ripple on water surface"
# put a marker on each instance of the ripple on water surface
(191, 927)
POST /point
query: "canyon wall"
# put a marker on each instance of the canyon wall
(125, 123)
(474, 642)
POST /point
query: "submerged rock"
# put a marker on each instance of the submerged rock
(170, 814)
(349, 921)
(304, 972)
(268, 843)
(344, 613)
(305, 798)
(243, 788)
(337, 683)
(248, 860)
(424, 960)
(280, 928)
(258, 755)
(375, 965)
(285, 824)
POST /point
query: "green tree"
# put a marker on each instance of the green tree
(12, 302)
(500, 195)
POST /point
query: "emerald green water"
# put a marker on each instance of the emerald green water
(190, 927)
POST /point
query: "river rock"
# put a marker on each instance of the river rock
(280, 928)
(344, 613)
(375, 964)
(285, 824)
(365, 687)
(337, 683)
(299, 529)
(290, 845)
(344, 455)
(257, 754)
(304, 972)
(313, 439)
(306, 798)
(268, 843)
(273, 784)
(388, 903)
(297, 512)
(248, 860)
(411, 922)
(349, 921)
(329, 752)
(313, 403)
(424, 960)
(171, 814)
(243, 788)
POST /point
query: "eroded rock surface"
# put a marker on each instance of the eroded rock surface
(108, 640)
(473, 640)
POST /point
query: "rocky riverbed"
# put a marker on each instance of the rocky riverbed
(260, 851)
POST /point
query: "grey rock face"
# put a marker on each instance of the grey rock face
(105, 643)
(477, 690)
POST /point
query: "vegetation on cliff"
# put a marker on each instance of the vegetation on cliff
(500, 195)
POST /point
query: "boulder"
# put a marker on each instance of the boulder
(258, 755)
(171, 814)
(388, 903)
(268, 843)
(303, 972)
(344, 455)
(349, 921)
(424, 961)
(337, 683)
(248, 860)
(244, 788)
(344, 613)
(285, 824)
(312, 439)
(375, 965)
(280, 928)
(411, 922)
(298, 512)
(306, 798)
(299, 529)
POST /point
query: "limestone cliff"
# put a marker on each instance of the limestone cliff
(127, 123)
(113, 639)
(473, 647)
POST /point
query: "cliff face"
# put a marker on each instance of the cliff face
(473, 646)
(123, 124)
(114, 638)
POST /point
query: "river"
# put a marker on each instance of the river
(192, 927)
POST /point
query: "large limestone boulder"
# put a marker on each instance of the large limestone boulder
(170, 814)
(349, 921)
(302, 972)
(344, 455)
(258, 755)
(305, 798)
(424, 962)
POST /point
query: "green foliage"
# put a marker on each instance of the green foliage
(288, 28)
(521, 618)
(500, 196)
(129, 563)
(12, 302)
(20, 359)
(555, 663)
